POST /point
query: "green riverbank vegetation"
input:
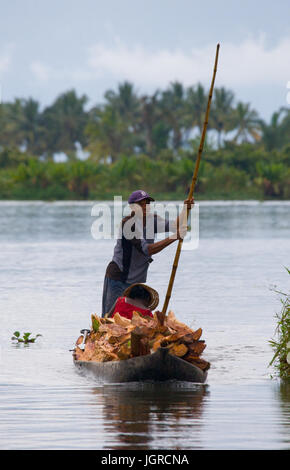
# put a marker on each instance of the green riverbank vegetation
(70, 150)
(281, 343)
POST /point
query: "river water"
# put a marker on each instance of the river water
(51, 275)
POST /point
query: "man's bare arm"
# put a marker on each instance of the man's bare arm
(154, 248)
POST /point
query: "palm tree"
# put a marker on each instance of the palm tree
(195, 107)
(221, 118)
(148, 105)
(3, 124)
(64, 122)
(20, 124)
(125, 101)
(285, 127)
(105, 132)
(114, 127)
(272, 132)
(246, 123)
(153, 127)
(31, 125)
(12, 120)
(172, 104)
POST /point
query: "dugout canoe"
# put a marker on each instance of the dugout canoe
(159, 366)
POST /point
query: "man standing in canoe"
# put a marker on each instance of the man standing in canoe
(135, 246)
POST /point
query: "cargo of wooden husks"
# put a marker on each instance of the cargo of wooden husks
(117, 338)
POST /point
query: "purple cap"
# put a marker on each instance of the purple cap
(139, 195)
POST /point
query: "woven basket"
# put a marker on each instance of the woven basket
(153, 294)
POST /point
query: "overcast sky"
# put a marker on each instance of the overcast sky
(48, 47)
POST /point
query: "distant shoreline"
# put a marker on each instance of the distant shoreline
(198, 200)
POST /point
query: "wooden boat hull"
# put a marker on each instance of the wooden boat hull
(159, 366)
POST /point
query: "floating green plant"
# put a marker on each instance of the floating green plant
(26, 338)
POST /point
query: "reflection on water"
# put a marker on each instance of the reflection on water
(87, 416)
(284, 395)
(135, 413)
(283, 398)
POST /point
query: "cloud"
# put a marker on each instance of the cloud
(6, 58)
(4, 63)
(248, 63)
(44, 73)
(41, 71)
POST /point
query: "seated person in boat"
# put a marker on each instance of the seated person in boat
(132, 255)
(138, 297)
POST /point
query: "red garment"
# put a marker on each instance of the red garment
(125, 309)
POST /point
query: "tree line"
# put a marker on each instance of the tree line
(142, 140)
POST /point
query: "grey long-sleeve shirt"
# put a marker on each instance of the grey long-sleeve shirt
(131, 258)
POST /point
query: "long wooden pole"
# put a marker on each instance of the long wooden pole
(192, 186)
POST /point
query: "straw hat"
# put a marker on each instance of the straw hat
(154, 301)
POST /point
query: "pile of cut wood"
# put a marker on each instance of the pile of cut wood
(117, 338)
